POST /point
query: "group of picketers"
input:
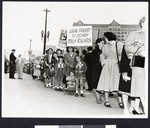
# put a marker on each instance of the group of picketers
(111, 67)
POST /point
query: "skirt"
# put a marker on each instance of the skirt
(110, 76)
(48, 73)
(138, 82)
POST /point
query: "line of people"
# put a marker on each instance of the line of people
(106, 69)
(62, 70)
(112, 67)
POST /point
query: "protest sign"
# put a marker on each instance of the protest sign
(79, 36)
(62, 39)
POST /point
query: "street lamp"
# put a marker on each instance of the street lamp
(30, 51)
(45, 34)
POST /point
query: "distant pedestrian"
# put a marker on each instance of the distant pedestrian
(6, 65)
(12, 65)
(19, 66)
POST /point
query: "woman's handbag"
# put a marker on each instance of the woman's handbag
(137, 60)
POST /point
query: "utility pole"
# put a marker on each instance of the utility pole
(45, 33)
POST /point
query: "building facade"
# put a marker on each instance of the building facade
(120, 30)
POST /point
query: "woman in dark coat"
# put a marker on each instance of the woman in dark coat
(125, 78)
(49, 73)
(96, 65)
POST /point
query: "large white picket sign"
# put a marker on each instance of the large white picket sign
(79, 36)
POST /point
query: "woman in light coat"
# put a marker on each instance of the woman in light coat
(135, 45)
(109, 79)
(19, 66)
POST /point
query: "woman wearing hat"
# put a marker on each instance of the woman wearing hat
(134, 46)
(109, 79)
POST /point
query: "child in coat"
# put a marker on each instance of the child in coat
(60, 71)
(80, 69)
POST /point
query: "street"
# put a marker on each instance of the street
(29, 98)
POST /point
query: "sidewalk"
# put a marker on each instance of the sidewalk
(29, 98)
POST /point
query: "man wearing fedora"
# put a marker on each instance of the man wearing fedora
(12, 64)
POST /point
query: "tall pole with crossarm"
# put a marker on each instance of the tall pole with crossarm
(45, 33)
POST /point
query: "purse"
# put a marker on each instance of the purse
(138, 61)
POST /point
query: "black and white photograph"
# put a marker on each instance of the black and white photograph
(74, 60)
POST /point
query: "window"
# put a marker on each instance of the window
(118, 32)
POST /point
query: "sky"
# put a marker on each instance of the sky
(24, 21)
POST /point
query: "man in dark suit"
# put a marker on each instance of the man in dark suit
(88, 61)
(12, 65)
